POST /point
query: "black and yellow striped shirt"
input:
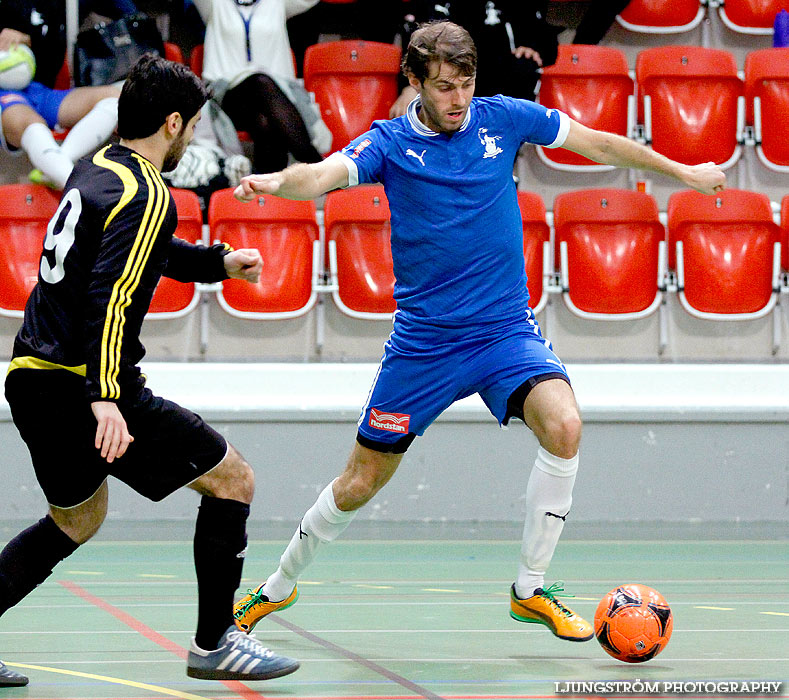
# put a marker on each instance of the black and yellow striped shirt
(106, 248)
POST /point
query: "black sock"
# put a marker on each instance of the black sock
(219, 548)
(29, 558)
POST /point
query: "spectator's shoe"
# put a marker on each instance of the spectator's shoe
(38, 178)
(240, 657)
(254, 606)
(11, 679)
(544, 608)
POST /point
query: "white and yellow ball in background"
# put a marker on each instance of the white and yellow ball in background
(17, 67)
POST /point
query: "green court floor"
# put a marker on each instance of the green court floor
(399, 619)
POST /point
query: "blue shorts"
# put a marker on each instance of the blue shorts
(45, 101)
(426, 369)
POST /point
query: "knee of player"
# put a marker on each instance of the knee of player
(355, 491)
(563, 434)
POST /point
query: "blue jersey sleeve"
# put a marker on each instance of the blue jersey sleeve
(536, 124)
(364, 157)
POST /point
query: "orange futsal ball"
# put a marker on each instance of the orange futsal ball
(633, 623)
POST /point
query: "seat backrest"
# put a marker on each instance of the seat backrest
(694, 93)
(196, 60)
(173, 297)
(592, 85)
(355, 83)
(767, 77)
(172, 52)
(665, 15)
(358, 221)
(752, 14)
(536, 232)
(284, 232)
(613, 238)
(24, 217)
(727, 242)
(785, 233)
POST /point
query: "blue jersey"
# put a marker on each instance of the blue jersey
(457, 237)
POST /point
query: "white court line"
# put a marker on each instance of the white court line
(389, 604)
(376, 631)
(476, 660)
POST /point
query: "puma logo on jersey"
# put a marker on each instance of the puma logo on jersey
(419, 156)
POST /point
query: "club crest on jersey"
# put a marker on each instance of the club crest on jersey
(360, 147)
(393, 422)
(491, 149)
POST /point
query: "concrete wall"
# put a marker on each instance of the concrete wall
(661, 443)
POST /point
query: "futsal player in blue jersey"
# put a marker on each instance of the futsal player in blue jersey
(463, 324)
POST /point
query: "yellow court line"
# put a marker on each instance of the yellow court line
(442, 590)
(775, 613)
(367, 585)
(710, 607)
(156, 575)
(109, 679)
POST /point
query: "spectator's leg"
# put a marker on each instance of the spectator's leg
(92, 115)
(92, 129)
(597, 19)
(257, 105)
(24, 128)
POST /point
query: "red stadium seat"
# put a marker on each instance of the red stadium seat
(612, 251)
(355, 82)
(172, 52)
(358, 235)
(785, 233)
(173, 299)
(661, 16)
(750, 16)
(592, 85)
(726, 253)
(286, 233)
(693, 103)
(536, 247)
(767, 99)
(196, 60)
(24, 216)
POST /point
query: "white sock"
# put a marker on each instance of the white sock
(324, 522)
(549, 495)
(92, 130)
(45, 154)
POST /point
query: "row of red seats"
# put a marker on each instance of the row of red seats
(673, 16)
(614, 258)
(692, 103)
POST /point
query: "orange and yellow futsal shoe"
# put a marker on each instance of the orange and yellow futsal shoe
(544, 609)
(254, 606)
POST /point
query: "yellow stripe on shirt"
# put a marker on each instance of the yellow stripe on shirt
(130, 185)
(160, 207)
(29, 362)
(112, 336)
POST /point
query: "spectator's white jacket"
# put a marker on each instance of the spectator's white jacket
(241, 40)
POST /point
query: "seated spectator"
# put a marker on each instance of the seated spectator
(248, 63)
(513, 41)
(28, 115)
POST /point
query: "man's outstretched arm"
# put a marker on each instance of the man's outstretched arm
(299, 181)
(622, 152)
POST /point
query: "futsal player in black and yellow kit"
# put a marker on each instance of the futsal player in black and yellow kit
(79, 399)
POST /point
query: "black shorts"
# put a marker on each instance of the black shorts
(172, 446)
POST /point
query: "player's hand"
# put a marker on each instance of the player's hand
(112, 435)
(400, 105)
(706, 178)
(244, 264)
(253, 185)
(11, 37)
(526, 52)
